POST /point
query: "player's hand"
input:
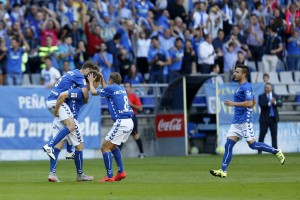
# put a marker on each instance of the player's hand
(228, 103)
(91, 78)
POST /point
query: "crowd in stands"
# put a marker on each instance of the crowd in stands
(151, 41)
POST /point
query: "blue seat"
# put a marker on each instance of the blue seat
(148, 102)
(298, 97)
(193, 131)
(199, 101)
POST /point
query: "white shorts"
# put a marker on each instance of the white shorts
(120, 131)
(74, 138)
(244, 130)
(64, 111)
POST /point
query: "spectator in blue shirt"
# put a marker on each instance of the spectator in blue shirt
(133, 76)
(104, 61)
(158, 58)
(293, 50)
(176, 54)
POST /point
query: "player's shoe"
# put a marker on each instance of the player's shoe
(219, 173)
(53, 178)
(49, 151)
(280, 156)
(141, 155)
(70, 155)
(120, 176)
(83, 177)
(106, 179)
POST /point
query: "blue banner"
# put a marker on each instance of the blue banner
(25, 122)
(226, 92)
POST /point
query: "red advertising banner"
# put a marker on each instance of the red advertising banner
(169, 125)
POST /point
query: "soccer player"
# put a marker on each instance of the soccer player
(242, 123)
(121, 113)
(73, 79)
(74, 98)
(136, 105)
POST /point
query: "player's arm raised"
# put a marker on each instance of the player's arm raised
(61, 98)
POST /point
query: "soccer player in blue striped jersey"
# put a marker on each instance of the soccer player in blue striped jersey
(242, 123)
(75, 100)
(72, 79)
(121, 113)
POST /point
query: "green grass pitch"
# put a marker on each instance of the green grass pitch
(170, 178)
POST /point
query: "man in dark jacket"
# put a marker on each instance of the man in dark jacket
(269, 117)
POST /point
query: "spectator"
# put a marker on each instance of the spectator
(293, 52)
(189, 59)
(49, 75)
(176, 54)
(216, 71)
(176, 9)
(237, 32)
(133, 76)
(33, 65)
(125, 29)
(77, 34)
(166, 40)
(215, 21)
(261, 12)
(164, 20)
(273, 49)
(51, 51)
(123, 62)
(158, 59)
(81, 55)
(143, 46)
(2, 61)
(206, 55)
(200, 18)
(269, 102)
(104, 61)
(255, 39)
(50, 27)
(241, 14)
(141, 8)
(66, 52)
(66, 67)
(218, 43)
(113, 47)
(93, 38)
(17, 14)
(15, 66)
(228, 18)
(230, 50)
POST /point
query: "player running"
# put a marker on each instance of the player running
(242, 123)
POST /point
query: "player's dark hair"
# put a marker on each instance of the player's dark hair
(267, 75)
(245, 69)
(90, 64)
(116, 78)
(95, 74)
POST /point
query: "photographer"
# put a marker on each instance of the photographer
(158, 59)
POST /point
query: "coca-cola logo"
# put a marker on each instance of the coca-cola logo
(173, 125)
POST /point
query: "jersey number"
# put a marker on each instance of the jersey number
(126, 103)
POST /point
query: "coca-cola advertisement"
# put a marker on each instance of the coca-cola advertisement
(170, 125)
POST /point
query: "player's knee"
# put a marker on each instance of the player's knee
(79, 147)
(71, 127)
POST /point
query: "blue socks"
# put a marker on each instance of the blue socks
(59, 136)
(107, 158)
(118, 157)
(53, 163)
(228, 154)
(263, 147)
(78, 159)
(69, 147)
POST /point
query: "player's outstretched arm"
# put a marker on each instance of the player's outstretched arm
(61, 98)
